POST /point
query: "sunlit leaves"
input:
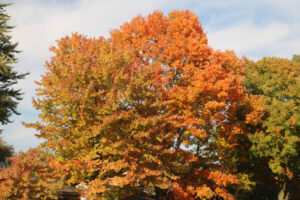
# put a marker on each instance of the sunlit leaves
(119, 110)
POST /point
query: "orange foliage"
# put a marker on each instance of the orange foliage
(31, 175)
(119, 110)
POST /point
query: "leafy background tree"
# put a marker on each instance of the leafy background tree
(276, 141)
(296, 58)
(31, 175)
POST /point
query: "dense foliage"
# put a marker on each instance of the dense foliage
(33, 175)
(154, 111)
(152, 107)
(276, 142)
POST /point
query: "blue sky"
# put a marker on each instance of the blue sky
(252, 28)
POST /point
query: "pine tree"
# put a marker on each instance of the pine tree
(9, 97)
(6, 150)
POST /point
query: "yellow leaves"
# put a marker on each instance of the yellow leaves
(118, 181)
(115, 166)
(224, 194)
(245, 182)
(204, 192)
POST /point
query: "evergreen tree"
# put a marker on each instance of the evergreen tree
(9, 97)
(6, 150)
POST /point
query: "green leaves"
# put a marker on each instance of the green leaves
(277, 140)
(6, 151)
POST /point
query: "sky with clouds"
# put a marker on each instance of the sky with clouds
(252, 28)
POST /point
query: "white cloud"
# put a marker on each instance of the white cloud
(247, 37)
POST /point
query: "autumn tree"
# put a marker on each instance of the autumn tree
(33, 175)
(151, 108)
(276, 142)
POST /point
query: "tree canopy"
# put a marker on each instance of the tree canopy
(33, 175)
(151, 108)
(277, 140)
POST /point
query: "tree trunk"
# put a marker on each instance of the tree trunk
(283, 194)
